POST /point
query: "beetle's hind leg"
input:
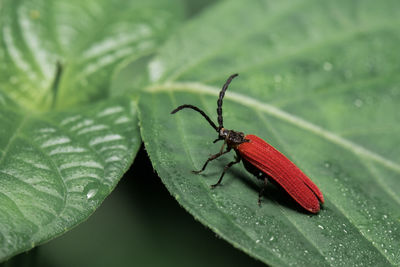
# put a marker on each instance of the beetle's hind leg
(259, 175)
(237, 160)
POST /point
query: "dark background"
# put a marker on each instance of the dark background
(139, 224)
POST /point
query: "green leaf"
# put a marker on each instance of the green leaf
(64, 142)
(318, 81)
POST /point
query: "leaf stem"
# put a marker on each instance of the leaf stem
(56, 82)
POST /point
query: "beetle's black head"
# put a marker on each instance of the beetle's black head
(231, 137)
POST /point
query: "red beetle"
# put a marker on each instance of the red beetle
(262, 160)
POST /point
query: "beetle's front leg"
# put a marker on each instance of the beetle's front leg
(212, 157)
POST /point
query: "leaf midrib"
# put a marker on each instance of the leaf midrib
(198, 88)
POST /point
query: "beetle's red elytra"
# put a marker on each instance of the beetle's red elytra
(261, 159)
(270, 161)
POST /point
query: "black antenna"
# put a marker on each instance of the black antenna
(198, 110)
(219, 102)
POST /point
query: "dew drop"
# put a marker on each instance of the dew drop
(358, 103)
(327, 66)
(327, 164)
(278, 78)
(320, 226)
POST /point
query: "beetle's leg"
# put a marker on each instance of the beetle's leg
(212, 157)
(237, 160)
(261, 193)
(218, 139)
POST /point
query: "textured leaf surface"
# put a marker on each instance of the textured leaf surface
(318, 80)
(57, 164)
(56, 168)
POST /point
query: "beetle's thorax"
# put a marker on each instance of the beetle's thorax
(231, 137)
